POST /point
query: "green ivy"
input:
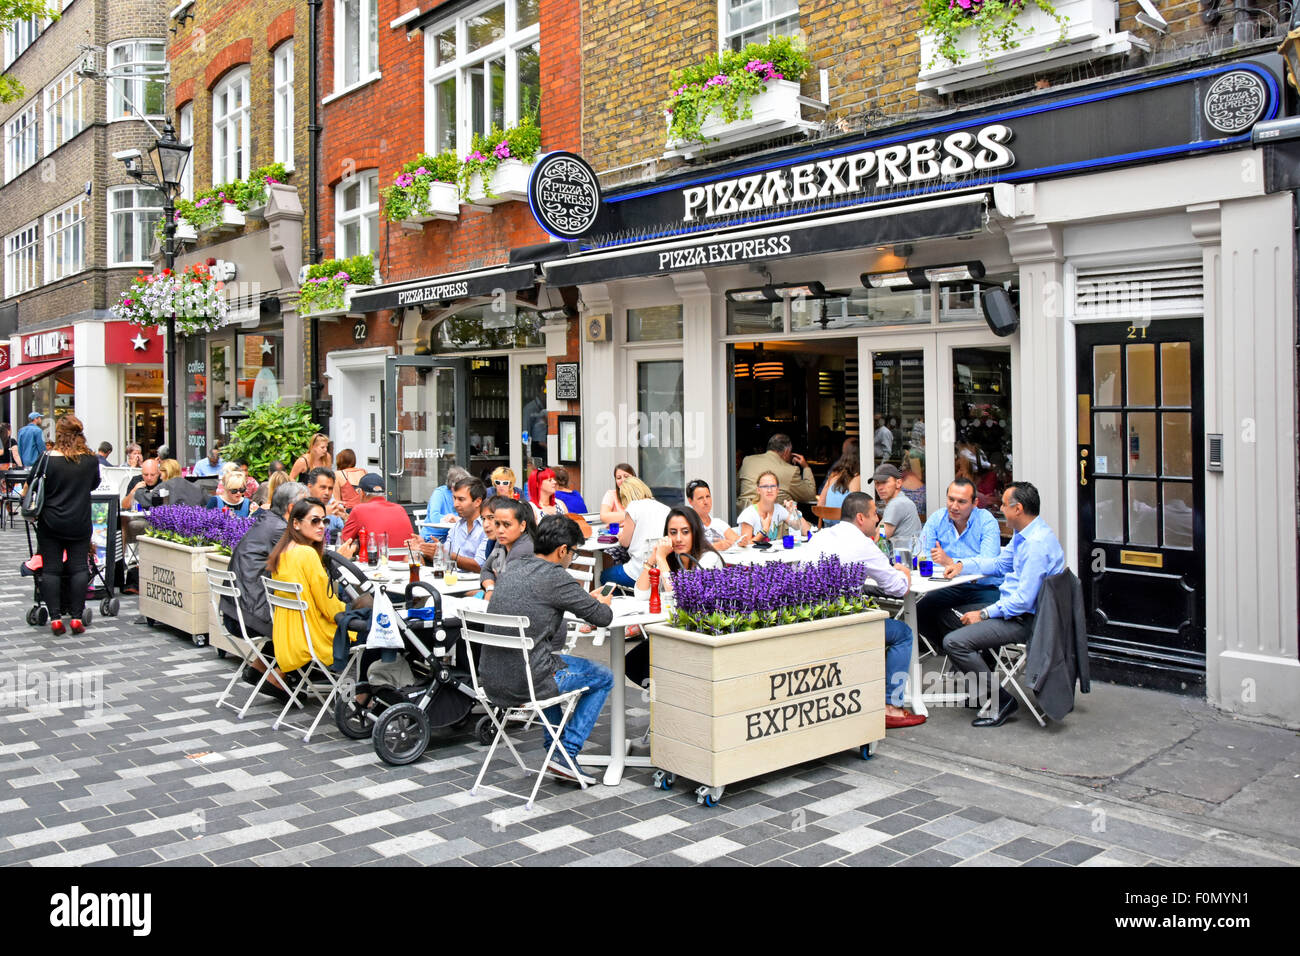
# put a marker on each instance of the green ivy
(723, 85)
(522, 142)
(409, 194)
(993, 20)
(271, 433)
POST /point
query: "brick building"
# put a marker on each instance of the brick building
(399, 80)
(75, 227)
(241, 95)
(1029, 267)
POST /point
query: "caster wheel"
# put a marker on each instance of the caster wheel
(664, 781)
(42, 616)
(485, 731)
(401, 734)
(221, 655)
(31, 616)
(866, 751)
(200, 640)
(708, 796)
(109, 607)
(708, 801)
(87, 615)
(353, 721)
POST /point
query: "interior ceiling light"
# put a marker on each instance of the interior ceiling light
(769, 370)
(742, 370)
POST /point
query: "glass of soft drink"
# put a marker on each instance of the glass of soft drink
(452, 571)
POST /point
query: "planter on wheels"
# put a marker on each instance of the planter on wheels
(174, 587)
(739, 705)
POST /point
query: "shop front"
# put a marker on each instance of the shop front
(1045, 292)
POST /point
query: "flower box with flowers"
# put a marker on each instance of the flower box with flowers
(972, 43)
(763, 667)
(174, 555)
(329, 286)
(193, 298)
(424, 190)
(498, 166)
(508, 182)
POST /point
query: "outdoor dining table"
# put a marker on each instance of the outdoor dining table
(395, 579)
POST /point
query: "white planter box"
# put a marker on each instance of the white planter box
(345, 309)
(231, 218)
(1089, 34)
(444, 203)
(174, 586)
(775, 112)
(186, 232)
(509, 183)
(256, 212)
(712, 696)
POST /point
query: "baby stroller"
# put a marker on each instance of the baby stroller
(98, 588)
(420, 688)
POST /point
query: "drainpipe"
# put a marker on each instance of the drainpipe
(313, 200)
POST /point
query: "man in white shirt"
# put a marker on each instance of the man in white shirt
(853, 540)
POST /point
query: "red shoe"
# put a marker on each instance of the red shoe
(57, 628)
(79, 628)
(903, 720)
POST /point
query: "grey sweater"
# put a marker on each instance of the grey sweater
(542, 592)
(496, 561)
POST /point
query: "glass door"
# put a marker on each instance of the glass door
(899, 397)
(1141, 507)
(656, 377)
(425, 413)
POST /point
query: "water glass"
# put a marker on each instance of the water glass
(613, 527)
(787, 541)
(926, 566)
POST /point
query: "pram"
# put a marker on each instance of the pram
(100, 586)
(425, 686)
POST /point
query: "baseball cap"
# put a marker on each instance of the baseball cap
(886, 471)
(371, 484)
(34, 415)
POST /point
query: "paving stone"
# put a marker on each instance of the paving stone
(930, 858)
(897, 823)
(1021, 849)
(875, 856)
(1073, 852)
(913, 841)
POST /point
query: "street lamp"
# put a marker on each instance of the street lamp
(168, 158)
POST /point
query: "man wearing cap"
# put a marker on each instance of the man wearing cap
(377, 515)
(899, 521)
(31, 441)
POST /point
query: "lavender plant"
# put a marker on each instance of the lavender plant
(197, 527)
(744, 598)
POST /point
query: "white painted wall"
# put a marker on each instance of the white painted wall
(355, 379)
(97, 389)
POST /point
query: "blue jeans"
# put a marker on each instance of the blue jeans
(898, 657)
(615, 574)
(598, 680)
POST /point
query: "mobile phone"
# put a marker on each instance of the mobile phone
(607, 590)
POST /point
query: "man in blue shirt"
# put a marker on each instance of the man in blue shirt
(441, 505)
(31, 441)
(957, 532)
(1033, 555)
(467, 541)
(211, 465)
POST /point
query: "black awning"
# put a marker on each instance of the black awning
(445, 288)
(932, 219)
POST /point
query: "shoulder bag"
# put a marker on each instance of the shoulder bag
(34, 495)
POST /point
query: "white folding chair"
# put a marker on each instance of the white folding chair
(509, 632)
(224, 584)
(1010, 660)
(286, 597)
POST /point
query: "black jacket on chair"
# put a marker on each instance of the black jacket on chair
(248, 565)
(1058, 650)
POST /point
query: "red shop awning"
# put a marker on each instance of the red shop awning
(22, 374)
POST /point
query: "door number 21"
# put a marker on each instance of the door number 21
(1137, 331)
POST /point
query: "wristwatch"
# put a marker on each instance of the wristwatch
(984, 614)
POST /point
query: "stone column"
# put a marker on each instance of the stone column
(284, 218)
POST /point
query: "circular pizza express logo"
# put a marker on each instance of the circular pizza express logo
(1235, 101)
(565, 195)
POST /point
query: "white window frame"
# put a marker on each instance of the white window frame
(22, 140)
(367, 214)
(143, 232)
(127, 82)
(20, 35)
(65, 110)
(507, 48)
(233, 162)
(367, 40)
(65, 240)
(768, 20)
(282, 95)
(186, 137)
(22, 259)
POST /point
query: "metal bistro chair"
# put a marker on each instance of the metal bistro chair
(583, 570)
(509, 632)
(276, 592)
(224, 584)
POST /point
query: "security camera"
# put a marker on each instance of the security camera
(126, 155)
(1150, 17)
(1275, 131)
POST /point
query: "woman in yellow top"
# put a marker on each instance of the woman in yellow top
(299, 558)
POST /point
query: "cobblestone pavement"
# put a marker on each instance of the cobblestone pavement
(158, 775)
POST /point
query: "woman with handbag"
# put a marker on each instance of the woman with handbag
(59, 497)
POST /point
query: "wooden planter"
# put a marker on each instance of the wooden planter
(174, 587)
(729, 708)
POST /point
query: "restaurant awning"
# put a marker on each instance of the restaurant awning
(445, 288)
(947, 217)
(22, 374)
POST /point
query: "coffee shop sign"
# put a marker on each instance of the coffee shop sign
(900, 164)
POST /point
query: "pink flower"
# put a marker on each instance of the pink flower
(502, 151)
(964, 4)
(475, 157)
(421, 171)
(404, 180)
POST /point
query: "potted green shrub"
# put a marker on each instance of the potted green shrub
(424, 189)
(499, 164)
(329, 286)
(271, 433)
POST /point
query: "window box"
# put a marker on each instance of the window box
(1089, 34)
(338, 306)
(185, 231)
(444, 203)
(776, 111)
(231, 219)
(256, 212)
(508, 183)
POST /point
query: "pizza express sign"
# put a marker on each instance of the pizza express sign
(564, 195)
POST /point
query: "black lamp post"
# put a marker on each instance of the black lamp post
(168, 158)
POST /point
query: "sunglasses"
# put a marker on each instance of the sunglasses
(234, 491)
(502, 482)
(315, 521)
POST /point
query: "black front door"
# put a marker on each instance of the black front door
(1139, 466)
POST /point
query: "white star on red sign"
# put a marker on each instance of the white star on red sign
(140, 343)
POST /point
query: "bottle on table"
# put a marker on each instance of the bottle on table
(372, 551)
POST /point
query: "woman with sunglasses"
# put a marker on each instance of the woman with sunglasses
(231, 495)
(503, 483)
(759, 521)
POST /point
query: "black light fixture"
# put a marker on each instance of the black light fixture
(169, 158)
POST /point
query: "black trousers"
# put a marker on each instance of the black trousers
(934, 616)
(57, 574)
